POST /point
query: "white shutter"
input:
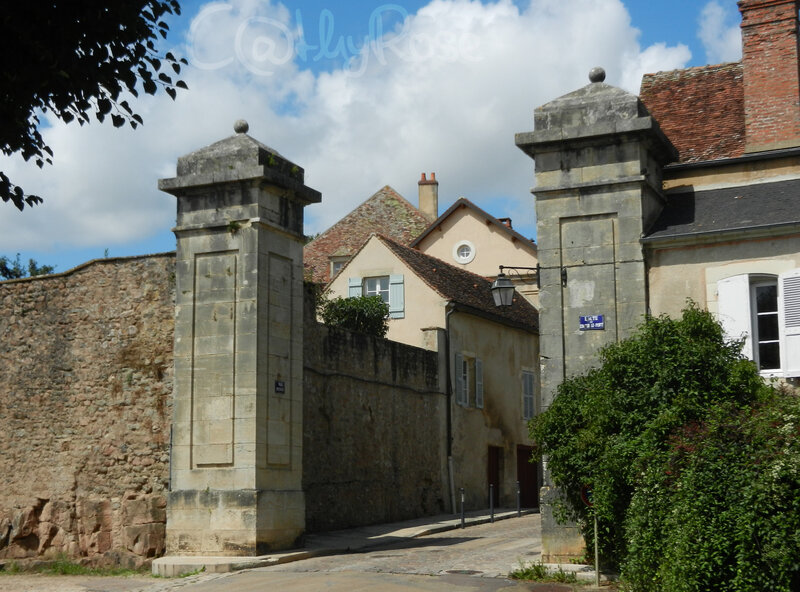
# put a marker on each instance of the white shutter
(478, 383)
(789, 321)
(354, 287)
(733, 306)
(396, 297)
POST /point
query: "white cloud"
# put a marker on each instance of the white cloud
(446, 93)
(657, 57)
(719, 32)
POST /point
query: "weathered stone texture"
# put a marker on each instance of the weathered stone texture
(374, 438)
(86, 360)
(86, 367)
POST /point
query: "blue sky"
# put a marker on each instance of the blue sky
(443, 87)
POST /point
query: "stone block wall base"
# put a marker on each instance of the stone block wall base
(233, 523)
(561, 543)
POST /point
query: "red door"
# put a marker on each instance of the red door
(528, 477)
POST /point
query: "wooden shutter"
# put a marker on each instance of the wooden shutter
(789, 322)
(396, 297)
(734, 311)
(459, 368)
(478, 383)
(354, 287)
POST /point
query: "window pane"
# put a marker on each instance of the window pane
(769, 356)
(768, 327)
(377, 286)
(767, 298)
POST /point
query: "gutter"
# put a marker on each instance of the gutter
(752, 157)
(451, 308)
(722, 235)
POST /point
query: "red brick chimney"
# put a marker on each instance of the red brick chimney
(429, 197)
(505, 222)
(771, 73)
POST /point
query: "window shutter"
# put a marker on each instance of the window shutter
(459, 368)
(354, 287)
(527, 395)
(733, 305)
(396, 297)
(478, 383)
(789, 321)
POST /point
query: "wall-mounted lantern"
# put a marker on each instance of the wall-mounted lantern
(503, 287)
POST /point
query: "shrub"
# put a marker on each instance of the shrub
(681, 441)
(363, 314)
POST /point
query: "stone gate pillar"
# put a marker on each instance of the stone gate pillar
(598, 160)
(236, 469)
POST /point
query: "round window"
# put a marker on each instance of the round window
(464, 252)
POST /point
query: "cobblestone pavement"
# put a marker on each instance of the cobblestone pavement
(488, 550)
(473, 559)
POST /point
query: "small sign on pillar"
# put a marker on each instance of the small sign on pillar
(593, 323)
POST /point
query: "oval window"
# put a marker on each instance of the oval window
(464, 252)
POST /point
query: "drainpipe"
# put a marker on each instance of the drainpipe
(450, 472)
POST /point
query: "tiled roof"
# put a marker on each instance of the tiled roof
(464, 202)
(386, 212)
(701, 110)
(464, 287)
(732, 209)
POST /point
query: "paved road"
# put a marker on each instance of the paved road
(475, 559)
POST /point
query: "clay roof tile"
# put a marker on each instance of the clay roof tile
(701, 110)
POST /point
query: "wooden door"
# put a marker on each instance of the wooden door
(528, 477)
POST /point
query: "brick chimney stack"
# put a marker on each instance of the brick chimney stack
(429, 197)
(771, 73)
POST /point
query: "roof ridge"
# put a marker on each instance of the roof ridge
(693, 69)
(470, 204)
(521, 313)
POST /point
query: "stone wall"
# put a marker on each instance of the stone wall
(374, 430)
(86, 370)
(85, 408)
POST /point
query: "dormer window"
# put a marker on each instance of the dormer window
(337, 262)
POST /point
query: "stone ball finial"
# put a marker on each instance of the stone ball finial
(597, 74)
(241, 126)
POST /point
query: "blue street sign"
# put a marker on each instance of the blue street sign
(593, 323)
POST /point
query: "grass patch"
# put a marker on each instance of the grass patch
(537, 572)
(62, 566)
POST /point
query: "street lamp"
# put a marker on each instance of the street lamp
(502, 290)
(503, 287)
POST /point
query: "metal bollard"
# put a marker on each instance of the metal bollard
(491, 502)
(519, 501)
(462, 507)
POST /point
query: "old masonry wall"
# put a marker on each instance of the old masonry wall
(85, 389)
(86, 373)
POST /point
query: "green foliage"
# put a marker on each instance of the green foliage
(12, 270)
(77, 60)
(681, 442)
(731, 484)
(538, 572)
(363, 314)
